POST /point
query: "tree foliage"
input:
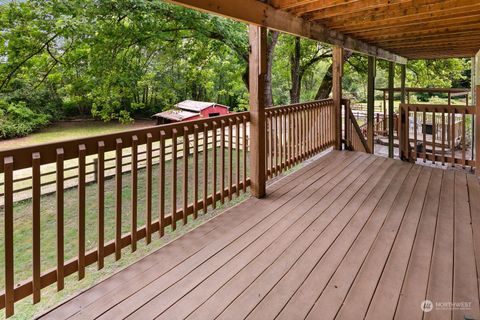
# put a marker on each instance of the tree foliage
(115, 60)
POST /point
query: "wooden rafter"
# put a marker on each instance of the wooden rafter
(348, 8)
(402, 14)
(412, 28)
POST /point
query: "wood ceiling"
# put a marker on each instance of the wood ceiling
(416, 29)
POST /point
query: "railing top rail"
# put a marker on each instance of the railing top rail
(324, 102)
(438, 108)
(48, 151)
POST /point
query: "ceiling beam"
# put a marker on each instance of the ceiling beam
(261, 14)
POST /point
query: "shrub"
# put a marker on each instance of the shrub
(17, 120)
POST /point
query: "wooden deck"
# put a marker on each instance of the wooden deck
(349, 236)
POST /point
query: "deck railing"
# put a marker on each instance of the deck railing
(297, 132)
(354, 136)
(436, 133)
(173, 172)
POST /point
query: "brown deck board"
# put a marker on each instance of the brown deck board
(249, 268)
(388, 289)
(330, 300)
(464, 268)
(441, 269)
(218, 252)
(302, 301)
(415, 283)
(348, 236)
(98, 298)
(285, 276)
(358, 299)
(215, 262)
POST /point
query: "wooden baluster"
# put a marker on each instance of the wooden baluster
(311, 136)
(443, 136)
(222, 162)
(322, 128)
(303, 122)
(319, 128)
(8, 234)
(434, 131)
(205, 167)
(161, 184)
(289, 139)
(282, 141)
(195, 171)
(453, 136)
(464, 120)
(148, 188)
(306, 121)
(301, 118)
(36, 194)
(101, 204)
(245, 150)
(230, 159)
(283, 132)
(186, 143)
(237, 146)
(214, 164)
(174, 179)
(277, 144)
(60, 218)
(325, 127)
(272, 145)
(424, 131)
(118, 199)
(316, 116)
(82, 152)
(267, 150)
(134, 193)
(296, 135)
(415, 130)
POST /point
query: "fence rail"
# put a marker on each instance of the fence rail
(436, 133)
(214, 169)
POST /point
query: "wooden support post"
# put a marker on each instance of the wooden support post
(337, 93)
(391, 76)
(477, 115)
(257, 73)
(371, 103)
(404, 125)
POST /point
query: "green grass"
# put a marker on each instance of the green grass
(71, 130)
(23, 228)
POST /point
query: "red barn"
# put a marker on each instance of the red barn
(191, 110)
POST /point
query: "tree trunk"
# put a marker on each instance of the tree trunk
(268, 77)
(295, 73)
(326, 86)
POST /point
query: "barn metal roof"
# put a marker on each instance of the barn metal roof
(196, 106)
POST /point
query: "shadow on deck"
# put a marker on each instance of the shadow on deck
(348, 236)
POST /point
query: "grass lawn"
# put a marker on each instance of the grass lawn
(23, 228)
(67, 130)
